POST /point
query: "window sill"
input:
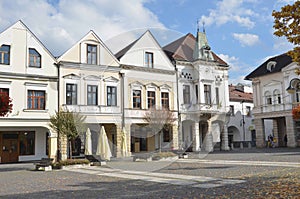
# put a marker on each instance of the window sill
(36, 110)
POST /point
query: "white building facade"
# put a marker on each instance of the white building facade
(271, 82)
(202, 93)
(29, 75)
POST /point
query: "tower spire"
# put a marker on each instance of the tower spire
(197, 25)
(203, 23)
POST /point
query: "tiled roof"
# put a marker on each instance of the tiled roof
(238, 95)
(182, 49)
(280, 60)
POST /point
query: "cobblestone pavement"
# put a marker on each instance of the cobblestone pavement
(250, 181)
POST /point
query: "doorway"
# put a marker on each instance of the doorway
(10, 149)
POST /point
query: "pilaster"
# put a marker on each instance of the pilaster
(290, 131)
(196, 141)
(260, 134)
(225, 146)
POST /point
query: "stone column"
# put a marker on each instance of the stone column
(118, 138)
(260, 134)
(196, 141)
(52, 142)
(208, 140)
(275, 131)
(174, 137)
(290, 131)
(224, 135)
(128, 138)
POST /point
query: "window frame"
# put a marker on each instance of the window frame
(186, 94)
(92, 96)
(37, 58)
(231, 110)
(151, 99)
(207, 94)
(136, 104)
(110, 94)
(3, 53)
(72, 92)
(91, 55)
(149, 59)
(41, 100)
(165, 101)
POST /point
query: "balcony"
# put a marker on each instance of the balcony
(200, 108)
(93, 109)
(274, 108)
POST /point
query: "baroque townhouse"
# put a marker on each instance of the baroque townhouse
(241, 131)
(202, 93)
(149, 84)
(29, 75)
(275, 93)
(90, 83)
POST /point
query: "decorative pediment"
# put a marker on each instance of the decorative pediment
(165, 87)
(92, 78)
(72, 76)
(151, 85)
(111, 79)
(136, 84)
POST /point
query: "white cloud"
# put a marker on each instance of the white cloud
(246, 39)
(230, 11)
(59, 26)
(232, 61)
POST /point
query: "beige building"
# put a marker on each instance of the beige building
(90, 83)
(29, 76)
(149, 85)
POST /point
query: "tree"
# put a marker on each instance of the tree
(69, 124)
(158, 120)
(5, 104)
(287, 24)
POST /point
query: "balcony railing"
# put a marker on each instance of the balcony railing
(200, 107)
(93, 109)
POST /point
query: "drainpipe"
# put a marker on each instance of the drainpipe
(58, 158)
(177, 98)
(122, 99)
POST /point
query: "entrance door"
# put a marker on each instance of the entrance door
(10, 152)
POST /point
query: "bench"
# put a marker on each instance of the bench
(95, 160)
(142, 156)
(44, 164)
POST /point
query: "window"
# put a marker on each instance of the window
(111, 96)
(91, 54)
(47, 143)
(136, 94)
(27, 143)
(217, 96)
(71, 94)
(165, 100)
(277, 96)
(34, 58)
(268, 98)
(149, 59)
(92, 95)
(4, 91)
(207, 94)
(248, 111)
(36, 100)
(186, 94)
(4, 54)
(231, 110)
(151, 99)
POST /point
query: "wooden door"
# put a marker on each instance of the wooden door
(10, 151)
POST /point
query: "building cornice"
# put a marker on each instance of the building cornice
(28, 76)
(89, 67)
(144, 69)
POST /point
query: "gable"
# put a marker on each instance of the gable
(78, 52)
(136, 53)
(23, 41)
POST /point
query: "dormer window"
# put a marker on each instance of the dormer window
(271, 65)
(4, 54)
(34, 58)
(149, 60)
(91, 54)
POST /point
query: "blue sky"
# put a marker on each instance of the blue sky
(239, 31)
